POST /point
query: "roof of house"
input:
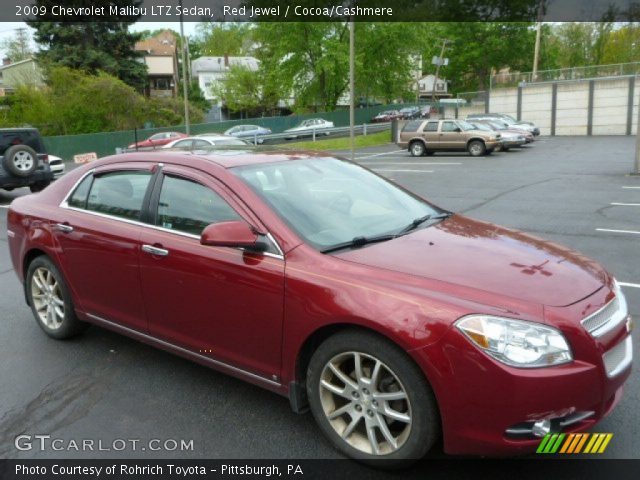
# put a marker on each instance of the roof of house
(217, 64)
(15, 64)
(162, 44)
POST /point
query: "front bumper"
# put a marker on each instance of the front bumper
(486, 406)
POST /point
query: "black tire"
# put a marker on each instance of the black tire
(505, 149)
(20, 160)
(417, 148)
(69, 324)
(38, 186)
(430, 153)
(420, 407)
(476, 148)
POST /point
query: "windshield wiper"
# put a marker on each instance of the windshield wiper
(419, 221)
(358, 242)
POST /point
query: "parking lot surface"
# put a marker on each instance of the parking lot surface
(102, 386)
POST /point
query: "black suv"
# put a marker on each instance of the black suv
(23, 160)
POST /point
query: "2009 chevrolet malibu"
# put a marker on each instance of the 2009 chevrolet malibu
(393, 320)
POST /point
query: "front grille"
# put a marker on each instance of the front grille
(618, 358)
(597, 320)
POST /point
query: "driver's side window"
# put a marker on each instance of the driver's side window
(449, 127)
(187, 206)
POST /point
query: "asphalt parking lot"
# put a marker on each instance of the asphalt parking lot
(572, 190)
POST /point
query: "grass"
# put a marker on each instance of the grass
(360, 141)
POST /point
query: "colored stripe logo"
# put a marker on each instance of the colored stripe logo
(574, 443)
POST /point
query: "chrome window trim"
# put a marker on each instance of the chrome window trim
(185, 351)
(626, 360)
(65, 204)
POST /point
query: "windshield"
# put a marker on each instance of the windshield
(328, 201)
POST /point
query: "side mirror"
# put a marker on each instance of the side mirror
(457, 129)
(236, 234)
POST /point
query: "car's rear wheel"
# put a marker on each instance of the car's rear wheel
(20, 160)
(370, 400)
(417, 148)
(50, 300)
(476, 148)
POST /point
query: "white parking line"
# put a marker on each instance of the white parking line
(626, 204)
(375, 155)
(632, 285)
(397, 170)
(630, 187)
(4, 206)
(412, 163)
(617, 231)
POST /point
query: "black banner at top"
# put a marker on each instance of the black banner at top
(319, 10)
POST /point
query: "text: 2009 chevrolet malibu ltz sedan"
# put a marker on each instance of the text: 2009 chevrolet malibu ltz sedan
(393, 320)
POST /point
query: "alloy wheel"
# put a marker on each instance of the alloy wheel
(365, 403)
(23, 161)
(47, 298)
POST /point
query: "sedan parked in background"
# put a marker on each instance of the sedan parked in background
(410, 113)
(205, 141)
(387, 116)
(507, 139)
(500, 126)
(507, 119)
(253, 133)
(308, 128)
(393, 320)
(158, 140)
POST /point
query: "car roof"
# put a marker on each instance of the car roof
(225, 157)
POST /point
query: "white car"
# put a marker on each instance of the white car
(307, 127)
(205, 141)
(57, 166)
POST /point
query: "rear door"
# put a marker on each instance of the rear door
(431, 135)
(98, 231)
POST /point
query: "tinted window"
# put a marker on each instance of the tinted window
(183, 144)
(188, 207)
(79, 198)
(449, 127)
(412, 126)
(119, 194)
(200, 143)
(431, 127)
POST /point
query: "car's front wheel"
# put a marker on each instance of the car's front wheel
(476, 148)
(371, 400)
(38, 186)
(50, 300)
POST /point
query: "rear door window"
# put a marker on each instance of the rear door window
(412, 126)
(120, 194)
(431, 127)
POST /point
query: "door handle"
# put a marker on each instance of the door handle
(64, 227)
(161, 252)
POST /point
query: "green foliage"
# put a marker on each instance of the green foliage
(220, 39)
(196, 96)
(90, 46)
(75, 102)
(623, 45)
(17, 47)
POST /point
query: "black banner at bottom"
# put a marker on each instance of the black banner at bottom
(441, 469)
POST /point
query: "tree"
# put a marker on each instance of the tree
(17, 48)
(220, 39)
(477, 49)
(105, 45)
(623, 45)
(245, 90)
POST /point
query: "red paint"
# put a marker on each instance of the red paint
(255, 312)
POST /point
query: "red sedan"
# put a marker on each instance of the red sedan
(393, 320)
(158, 140)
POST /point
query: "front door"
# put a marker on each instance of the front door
(219, 302)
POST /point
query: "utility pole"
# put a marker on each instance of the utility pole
(352, 93)
(636, 169)
(536, 49)
(440, 61)
(185, 88)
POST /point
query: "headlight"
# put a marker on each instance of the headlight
(516, 343)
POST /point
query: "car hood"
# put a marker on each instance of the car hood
(487, 257)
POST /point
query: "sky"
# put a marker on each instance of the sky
(7, 29)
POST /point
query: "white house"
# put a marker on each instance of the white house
(210, 70)
(426, 87)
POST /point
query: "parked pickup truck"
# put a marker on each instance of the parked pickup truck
(422, 137)
(23, 160)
